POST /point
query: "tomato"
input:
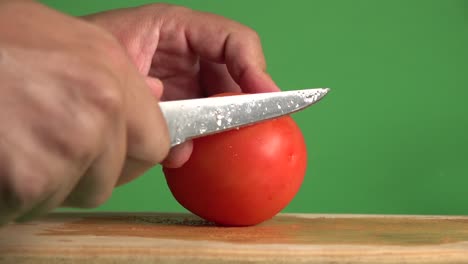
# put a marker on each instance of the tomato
(242, 177)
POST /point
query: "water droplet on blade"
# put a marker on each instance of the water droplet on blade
(202, 129)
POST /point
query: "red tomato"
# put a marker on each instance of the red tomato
(242, 177)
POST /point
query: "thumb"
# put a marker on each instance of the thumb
(148, 140)
(156, 86)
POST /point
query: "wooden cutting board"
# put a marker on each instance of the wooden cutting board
(183, 238)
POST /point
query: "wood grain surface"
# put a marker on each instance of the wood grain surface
(183, 238)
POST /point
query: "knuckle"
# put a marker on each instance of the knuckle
(91, 81)
(173, 9)
(106, 96)
(251, 34)
(169, 13)
(180, 9)
(73, 140)
(244, 32)
(99, 87)
(110, 49)
(79, 146)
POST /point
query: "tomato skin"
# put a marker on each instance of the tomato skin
(242, 177)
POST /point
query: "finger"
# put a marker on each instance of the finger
(43, 207)
(155, 85)
(33, 213)
(70, 176)
(97, 184)
(41, 188)
(29, 191)
(132, 169)
(178, 155)
(221, 40)
(215, 79)
(147, 132)
(254, 81)
(99, 179)
(15, 212)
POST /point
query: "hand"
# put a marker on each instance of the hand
(194, 54)
(75, 114)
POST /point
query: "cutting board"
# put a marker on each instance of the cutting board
(184, 238)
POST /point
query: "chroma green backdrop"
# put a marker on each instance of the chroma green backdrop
(391, 137)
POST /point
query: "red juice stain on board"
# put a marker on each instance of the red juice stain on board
(279, 230)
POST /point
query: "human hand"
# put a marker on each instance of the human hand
(76, 116)
(194, 54)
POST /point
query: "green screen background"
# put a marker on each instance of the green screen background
(391, 138)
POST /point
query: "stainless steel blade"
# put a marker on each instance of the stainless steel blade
(187, 119)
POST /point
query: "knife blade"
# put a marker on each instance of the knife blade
(192, 118)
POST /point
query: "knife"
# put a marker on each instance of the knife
(192, 118)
